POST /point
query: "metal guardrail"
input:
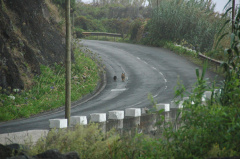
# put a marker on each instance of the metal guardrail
(101, 34)
(210, 59)
(215, 62)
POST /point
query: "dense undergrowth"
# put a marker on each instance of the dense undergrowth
(48, 90)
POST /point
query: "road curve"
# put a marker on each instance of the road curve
(148, 70)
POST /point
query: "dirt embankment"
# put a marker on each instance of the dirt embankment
(30, 35)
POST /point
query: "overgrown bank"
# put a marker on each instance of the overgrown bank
(48, 90)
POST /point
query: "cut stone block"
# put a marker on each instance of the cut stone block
(180, 106)
(98, 117)
(173, 104)
(208, 94)
(144, 110)
(160, 106)
(116, 114)
(217, 92)
(133, 112)
(57, 123)
(185, 98)
(75, 120)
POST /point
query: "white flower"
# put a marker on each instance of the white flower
(12, 97)
(16, 90)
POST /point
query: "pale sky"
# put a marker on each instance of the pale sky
(219, 4)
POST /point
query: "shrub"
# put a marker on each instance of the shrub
(88, 142)
(78, 32)
(136, 26)
(193, 21)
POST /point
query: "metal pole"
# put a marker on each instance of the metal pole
(68, 64)
(233, 14)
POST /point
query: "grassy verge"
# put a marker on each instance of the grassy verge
(48, 91)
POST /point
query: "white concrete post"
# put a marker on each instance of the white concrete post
(173, 104)
(116, 114)
(133, 112)
(75, 120)
(98, 117)
(164, 106)
(57, 123)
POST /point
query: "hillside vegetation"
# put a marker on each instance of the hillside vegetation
(32, 72)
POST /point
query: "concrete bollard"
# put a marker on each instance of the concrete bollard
(204, 99)
(160, 106)
(180, 106)
(167, 116)
(173, 104)
(57, 123)
(217, 92)
(208, 94)
(116, 114)
(148, 123)
(185, 98)
(98, 117)
(117, 124)
(133, 112)
(144, 110)
(75, 120)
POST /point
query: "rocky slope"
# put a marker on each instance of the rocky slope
(29, 36)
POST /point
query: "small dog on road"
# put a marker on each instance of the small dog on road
(123, 77)
(115, 78)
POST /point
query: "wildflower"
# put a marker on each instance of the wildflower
(26, 98)
(12, 97)
(16, 90)
(52, 87)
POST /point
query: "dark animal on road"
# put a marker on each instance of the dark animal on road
(123, 76)
(114, 78)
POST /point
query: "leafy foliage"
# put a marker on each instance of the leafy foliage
(89, 142)
(231, 92)
(193, 21)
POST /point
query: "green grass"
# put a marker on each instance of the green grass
(48, 91)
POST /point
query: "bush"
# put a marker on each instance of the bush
(88, 142)
(136, 26)
(193, 21)
(78, 32)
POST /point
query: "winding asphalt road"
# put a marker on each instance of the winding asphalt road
(148, 70)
